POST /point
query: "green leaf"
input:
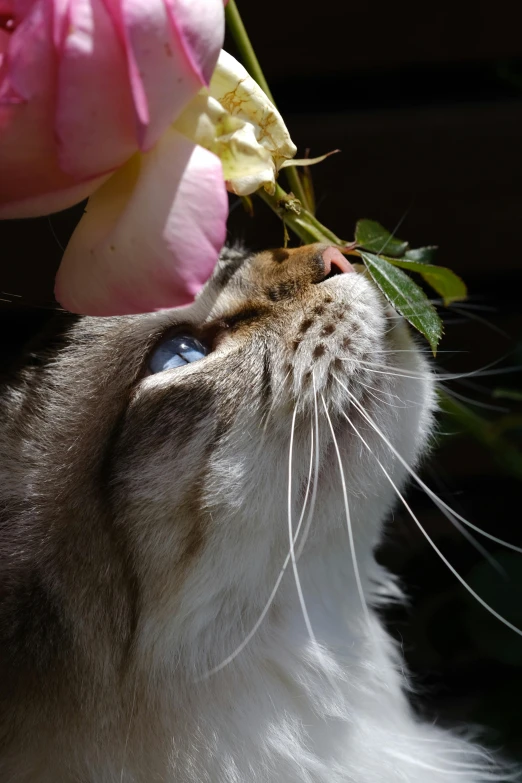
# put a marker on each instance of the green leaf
(372, 236)
(406, 296)
(443, 280)
(423, 255)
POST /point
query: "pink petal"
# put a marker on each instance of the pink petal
(163, 52)
(31, 181)
(4, 43)
(150, 236)
(51, 201)
(29, 60)
(61, 21)
(95, 122)
(127, 69)
(201, 27)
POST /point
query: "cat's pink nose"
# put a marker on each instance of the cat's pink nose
(335, 263)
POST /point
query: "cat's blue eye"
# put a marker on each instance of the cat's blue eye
(176, 352)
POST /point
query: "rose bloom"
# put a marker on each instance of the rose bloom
(90, 87)
(122, 99)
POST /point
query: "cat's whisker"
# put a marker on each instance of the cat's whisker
(412, 350)
(470, 316)
(448, 512)
(483, 372)
(306, 530)
(270, 411)
(375, 388)
(248, 638)
(484, 390)
(382, 372)
(403, 500)
(396, 228)
(376, 396)
(358, 294)
(391, 394)
(228, 660)
(462, 530)
(306, 617)
(398, 320)
(315, 454)
(348, 518)
(391, 368)
(471, 303)
(464, 398)
(308, 481)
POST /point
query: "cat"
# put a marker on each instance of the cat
(190, 501)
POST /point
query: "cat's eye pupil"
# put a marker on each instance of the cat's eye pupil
(176, 352)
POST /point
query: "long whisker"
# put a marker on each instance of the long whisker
(480, 549)
(316, 479)
(471, 303)
(270, 410)
(367, 386)
(444, 508)
(359, 293)
(305, 501)
(348, 518)
(412, 350)
(306, 616)
(397, 227)
(471, 401)
(435, 547)
(484, 390)
(382, 372)
(391, 368)
(246, 641)
(470, 316)
(440, 376)
(380, 399)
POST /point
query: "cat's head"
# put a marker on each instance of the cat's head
(150, 455)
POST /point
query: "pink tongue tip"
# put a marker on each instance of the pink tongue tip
(334, 257)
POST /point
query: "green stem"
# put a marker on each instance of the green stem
(251, 63)
(304, 224)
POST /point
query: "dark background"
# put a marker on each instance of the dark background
(425, 102)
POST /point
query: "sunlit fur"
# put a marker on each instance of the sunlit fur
(145, 523)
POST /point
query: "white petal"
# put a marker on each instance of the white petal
(242, 97)
(247, 165)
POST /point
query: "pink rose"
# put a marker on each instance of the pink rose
(92, 87)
